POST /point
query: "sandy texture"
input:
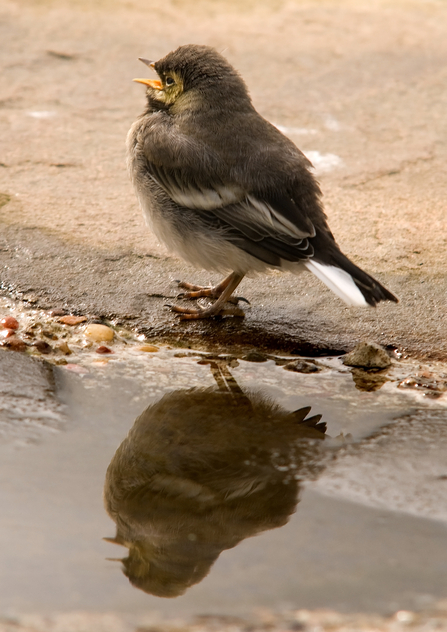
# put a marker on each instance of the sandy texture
(359, 86)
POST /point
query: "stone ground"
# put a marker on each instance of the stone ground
(360, 86)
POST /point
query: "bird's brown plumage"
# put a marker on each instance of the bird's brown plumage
(225, 189)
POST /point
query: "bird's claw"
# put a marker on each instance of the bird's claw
(236, 299)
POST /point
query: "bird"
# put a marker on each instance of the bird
(225, 190)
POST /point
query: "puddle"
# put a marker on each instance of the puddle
(226, 493)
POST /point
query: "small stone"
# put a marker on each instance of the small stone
(58, 312)
(49, 334)
(72, 320)
(405, 616)
(9, 322)
(76, 368)
(99, 333)
(368, 355)
(15, 344)
(301, 366)
(62, 346)
(103, 349)
(7, 333)
(148, 348)
(42, 346)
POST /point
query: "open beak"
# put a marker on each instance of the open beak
(112, 540)
(152, 83)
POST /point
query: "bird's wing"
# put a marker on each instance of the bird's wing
(199, 177)
(265, 228)
(273, 222)
(260, 214)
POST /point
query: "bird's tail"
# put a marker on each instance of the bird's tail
(349, 282)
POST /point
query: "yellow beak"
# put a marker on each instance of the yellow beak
(152, 83)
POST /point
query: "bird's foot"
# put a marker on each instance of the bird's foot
(207, 291)
(222, 292)
(187, 313)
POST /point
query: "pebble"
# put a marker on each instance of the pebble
(15, 344)
(57, 312)
(99, 333)
(76, 368)
(49, 334)
(72, 320)
(405, 616)
(62, 346)
(368, 355)
(42, 346)
(148, 348)
(103, 349)
(7, 333)
(9, 322)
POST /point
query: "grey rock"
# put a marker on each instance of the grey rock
(368, 355)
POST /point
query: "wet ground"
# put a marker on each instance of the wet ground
(352, 520)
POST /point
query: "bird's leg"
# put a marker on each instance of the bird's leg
(199, 291)
(216, 308)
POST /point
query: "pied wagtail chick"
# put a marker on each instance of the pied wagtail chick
(225, 190)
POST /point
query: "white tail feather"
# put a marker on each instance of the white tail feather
(339, 281)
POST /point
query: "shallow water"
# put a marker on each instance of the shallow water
(345, 543)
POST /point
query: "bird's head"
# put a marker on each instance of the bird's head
(194, 76)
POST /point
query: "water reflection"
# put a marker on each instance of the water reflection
(200, 471)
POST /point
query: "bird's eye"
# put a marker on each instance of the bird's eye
(169, 81)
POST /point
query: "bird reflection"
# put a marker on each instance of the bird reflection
(200, 471)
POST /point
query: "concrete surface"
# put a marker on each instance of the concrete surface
(360, 86)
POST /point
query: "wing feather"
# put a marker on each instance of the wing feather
(229, 202)
(270, 227)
